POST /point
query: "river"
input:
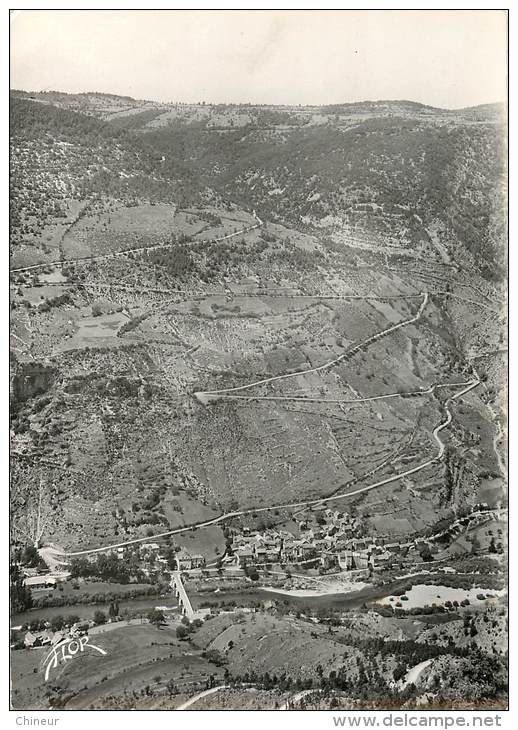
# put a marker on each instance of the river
(223, 599)
(87, 611)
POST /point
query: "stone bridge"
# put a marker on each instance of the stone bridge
(181, 594)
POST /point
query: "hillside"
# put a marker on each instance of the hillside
(83, 189)
(383, 173)
(273, 325)
(63, 164)
(411, 181)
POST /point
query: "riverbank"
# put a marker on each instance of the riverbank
(323, 588)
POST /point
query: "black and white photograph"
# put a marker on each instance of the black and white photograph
(258, 362)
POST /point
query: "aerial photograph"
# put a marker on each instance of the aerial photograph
(258, 360)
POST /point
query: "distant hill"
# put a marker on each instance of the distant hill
(376, 171)
(58, 156)
(487, 112)
(91, 103)
(108, 106)
(371, 169)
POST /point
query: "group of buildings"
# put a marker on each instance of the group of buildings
(329, 543)
(47, 637)
(184, 559)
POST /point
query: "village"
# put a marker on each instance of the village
(321, 547)
(326, 542)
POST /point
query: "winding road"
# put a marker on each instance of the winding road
(212, 395)
(205, 396)
(290, 505)
(440, 427)
(202, 396)
(414, 673)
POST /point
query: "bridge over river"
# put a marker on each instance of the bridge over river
(181, 594)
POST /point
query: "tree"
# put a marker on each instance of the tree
(182, 632)
(57, 623)
(399, 672)
(426, 553)
(99, 617)
(170, 557)
(30, 557)
(214, 656)
(20, 596)
(156, 617)
(80, 568)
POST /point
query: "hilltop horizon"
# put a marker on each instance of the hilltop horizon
(204, 102)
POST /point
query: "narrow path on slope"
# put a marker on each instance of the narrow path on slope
(414, 673)
(126, 252)
(303, 399)
(449, 417)
(199, 696)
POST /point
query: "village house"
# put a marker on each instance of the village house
(266, 555)
(260, 555)
(306, 551)
(50, 638)
(241, 541)
(382, 556)
(46, 637)
(289, 551)
(29, 572)
(150, 547)
(31, 640)
(40, 582)
(328, 560)
(185, 561)
(58, 636)
(78, 629)
(245, 556)
(41, 638)
(273, 555)
(353, 560)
